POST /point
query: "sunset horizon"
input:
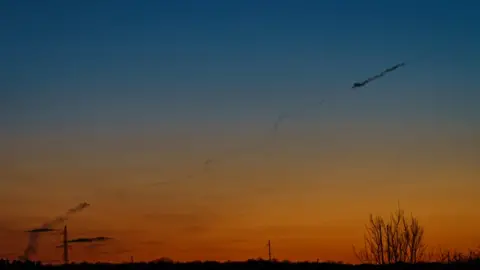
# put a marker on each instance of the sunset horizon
(202, 130)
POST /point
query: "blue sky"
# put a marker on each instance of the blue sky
(105, 62)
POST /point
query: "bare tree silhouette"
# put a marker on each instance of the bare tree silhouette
(399, 239)
(453, 256)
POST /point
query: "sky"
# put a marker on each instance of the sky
(120, 103)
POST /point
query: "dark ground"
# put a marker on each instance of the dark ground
(263, 265)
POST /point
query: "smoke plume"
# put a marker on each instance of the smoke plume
(33, 238)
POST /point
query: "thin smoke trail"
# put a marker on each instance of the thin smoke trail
(285, 116)
(33, 237)
(282, 117)
(232, 154)
(266, 140)
(207, 163)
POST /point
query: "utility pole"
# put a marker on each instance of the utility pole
(65, 245)
(269, 251)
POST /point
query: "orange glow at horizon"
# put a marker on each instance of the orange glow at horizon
(311, 202)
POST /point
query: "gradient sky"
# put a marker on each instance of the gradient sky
(101, 99)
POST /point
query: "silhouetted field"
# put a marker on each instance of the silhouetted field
(250, 264)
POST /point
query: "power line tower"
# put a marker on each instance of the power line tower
(65, 245)
(269, 251)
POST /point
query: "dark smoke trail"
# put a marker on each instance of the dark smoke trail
(39, 230)
(88, 240)
(33, 238)
(383, 73)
